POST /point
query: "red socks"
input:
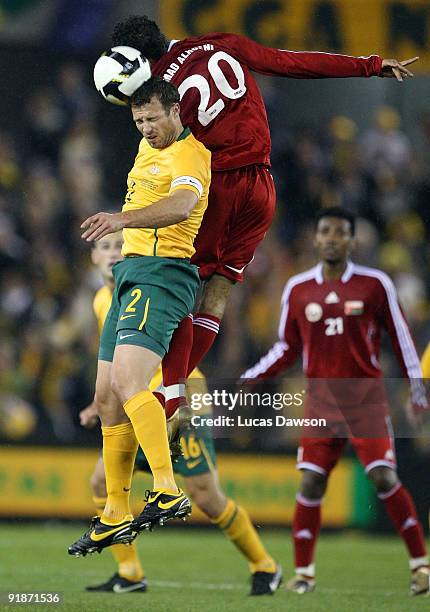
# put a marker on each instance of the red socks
(175, 366)
(401, 510)
(190, 343)
(306, 528)
(205, 330)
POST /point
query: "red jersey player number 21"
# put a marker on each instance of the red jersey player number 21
(333, 315)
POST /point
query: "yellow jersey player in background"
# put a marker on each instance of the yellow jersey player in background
(197, 466)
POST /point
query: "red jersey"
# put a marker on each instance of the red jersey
(337, 326)
(220, 100)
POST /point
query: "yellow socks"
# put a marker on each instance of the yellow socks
(126, 556)
(128, 561)
(149, 422)
(237, 526)
(119, 452)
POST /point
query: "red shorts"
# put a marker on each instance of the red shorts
(350, 408)
(240, 209)
(321, 454)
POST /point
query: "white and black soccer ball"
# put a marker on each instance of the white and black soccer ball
(119, 72)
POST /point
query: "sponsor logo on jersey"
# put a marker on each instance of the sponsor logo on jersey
(237, 270)
(313, 312)
(354, 307)
(154, 169)
(332, 298)
(148, 184)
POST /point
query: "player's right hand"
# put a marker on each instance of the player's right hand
(392, 68)
(101, 224)
(88, 417)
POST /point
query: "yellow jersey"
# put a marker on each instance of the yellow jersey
(101, 304)
(425, 362)
(185, 164)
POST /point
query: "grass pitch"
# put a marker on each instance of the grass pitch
(191, 570)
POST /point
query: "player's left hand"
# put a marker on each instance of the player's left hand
(101, 224)
(392, 68)
(89, 417)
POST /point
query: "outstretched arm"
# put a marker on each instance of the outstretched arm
(312, 64)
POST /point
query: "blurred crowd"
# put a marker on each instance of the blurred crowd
(56, 169)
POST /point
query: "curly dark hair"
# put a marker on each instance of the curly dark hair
(338, 213)
(141, 33)
(158, 87)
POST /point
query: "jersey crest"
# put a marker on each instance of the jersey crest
(154, 169)
(313, 312)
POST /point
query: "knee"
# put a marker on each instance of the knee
(98, 484)
(122, 389)
(384, 478)
(109, 409)
(102, 399)
(119, 388)
(313, 485)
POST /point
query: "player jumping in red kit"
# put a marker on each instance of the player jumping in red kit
(223, 107)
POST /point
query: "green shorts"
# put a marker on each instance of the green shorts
(152, 295)
(199, 456)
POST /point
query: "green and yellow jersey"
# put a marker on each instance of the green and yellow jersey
(425, 362)
(185, 164)
(101, 304)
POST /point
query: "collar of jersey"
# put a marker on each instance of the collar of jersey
(349, 271)
(171, 43)
(186, 132)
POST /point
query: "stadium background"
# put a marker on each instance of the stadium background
(64, 154)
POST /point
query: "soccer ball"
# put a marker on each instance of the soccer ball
(119, 72)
